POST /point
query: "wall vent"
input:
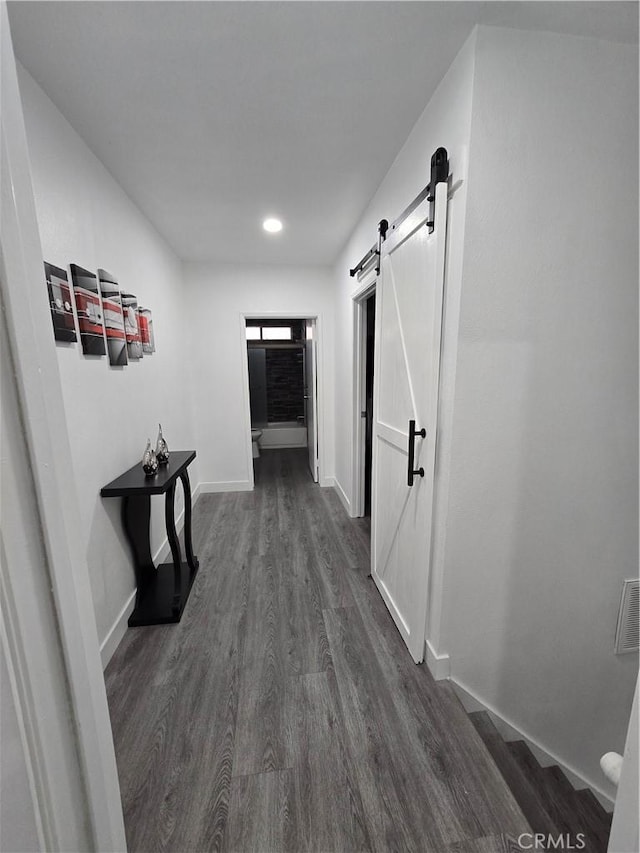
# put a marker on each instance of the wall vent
(628, 630)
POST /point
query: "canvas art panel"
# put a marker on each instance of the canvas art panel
(89, 310)
(131, 328)
(64, 327)
(146, 330)
(113, 319)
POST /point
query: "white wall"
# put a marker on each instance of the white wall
(445, 122)
(543, 510)
(218, 296)
(86, 218)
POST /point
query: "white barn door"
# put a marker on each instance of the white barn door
(408, 334)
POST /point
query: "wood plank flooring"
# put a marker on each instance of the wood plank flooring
(284, 713)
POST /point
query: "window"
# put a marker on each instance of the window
(262, 330)
(276, 333)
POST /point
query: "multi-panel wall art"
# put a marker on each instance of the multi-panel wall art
(113, 318)
(146, 330)
(103, 313)
(64, 327)
(89, 310)
(131, 328)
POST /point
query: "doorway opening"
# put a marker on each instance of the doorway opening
(282, 373)
(370, 329)
(365, 349)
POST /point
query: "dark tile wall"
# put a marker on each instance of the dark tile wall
(285, 385)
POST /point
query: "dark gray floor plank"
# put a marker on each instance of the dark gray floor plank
(328, 806)
(326, 559)
(266, 798)
(304, 636)
(404, 793)
(259, 746)
(175, 778)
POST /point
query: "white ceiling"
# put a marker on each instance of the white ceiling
(213, 115)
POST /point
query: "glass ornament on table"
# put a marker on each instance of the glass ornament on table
(162, 448)
(149, 460)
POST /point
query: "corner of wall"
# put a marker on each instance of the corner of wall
(439, 665)
(344, 500)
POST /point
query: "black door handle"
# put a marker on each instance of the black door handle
(413, 433)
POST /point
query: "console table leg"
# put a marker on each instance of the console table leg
(174, 542)
(136, 513)
(188, 546)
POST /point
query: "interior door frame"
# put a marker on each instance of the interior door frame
(318, 390)
(367, 281)
(311, 400)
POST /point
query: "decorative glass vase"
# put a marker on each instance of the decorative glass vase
(162, 448)
(149, 460)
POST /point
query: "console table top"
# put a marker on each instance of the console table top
(135, 481)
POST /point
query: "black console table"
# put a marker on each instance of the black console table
(163, 591)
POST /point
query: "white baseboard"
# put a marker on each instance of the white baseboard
(346, 503)
(509, 731)
(285, 445)
(117, 631)
(439, 665)
(229, 486)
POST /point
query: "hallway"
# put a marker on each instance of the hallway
(284, 712)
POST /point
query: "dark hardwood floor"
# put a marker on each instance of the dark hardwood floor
(284, 713)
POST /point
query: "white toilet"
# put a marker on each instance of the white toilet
(256, 434)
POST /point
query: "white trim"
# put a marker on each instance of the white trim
(439, 665)
(509, 732)
(229, 486)
(321, 407)
(625, 831)
(284, 446)
(343, 497)
(117, 631)
(246, 405)
(456, 218)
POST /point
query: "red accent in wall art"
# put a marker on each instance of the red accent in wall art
(146, 330)
(113, 319)
(131, 328)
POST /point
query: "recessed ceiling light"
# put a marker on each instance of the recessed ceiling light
(272, 225)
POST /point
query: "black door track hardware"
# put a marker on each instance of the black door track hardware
(413, 434)
(439, 173)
